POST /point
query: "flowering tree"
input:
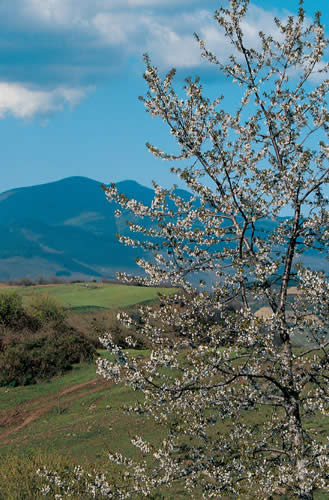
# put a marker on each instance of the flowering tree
(236, 393)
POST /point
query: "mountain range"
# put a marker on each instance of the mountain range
(67, 229)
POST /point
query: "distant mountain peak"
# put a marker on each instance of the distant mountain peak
(75, 180)
(68, 227)
(75, 227)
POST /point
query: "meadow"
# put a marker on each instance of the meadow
(90, 295)
(79, 417)
(71, 415)
(76, 417)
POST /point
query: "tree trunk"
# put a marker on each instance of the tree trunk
(297, 445)
(298, 451)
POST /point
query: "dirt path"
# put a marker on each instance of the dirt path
(18, 419)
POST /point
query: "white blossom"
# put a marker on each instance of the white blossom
(216, 365)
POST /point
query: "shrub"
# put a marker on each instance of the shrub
(25, 282)
(72, 346)
(110, 323)
(11, 308)
(10, 336)
(42, 357)
(46, 309)
(41, 280)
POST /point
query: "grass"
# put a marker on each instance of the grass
(79, 418)
(77, 427)
(96, 295)
(18, 478)
(78, 415)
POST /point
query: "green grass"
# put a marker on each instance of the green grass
(84, 425)
(78, 428)
(12, 397)
(96, 295)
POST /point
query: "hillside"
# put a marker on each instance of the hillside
(64, 228)
(67, 228)
(78, 296)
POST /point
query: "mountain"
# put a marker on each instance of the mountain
(64, 228)
(67, 228)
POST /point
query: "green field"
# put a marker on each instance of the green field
(96, 295)
(71, 415)
(78, 417)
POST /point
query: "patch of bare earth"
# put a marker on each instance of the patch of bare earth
(264, 312)
(14, 420)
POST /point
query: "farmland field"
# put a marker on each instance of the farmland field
(95, 295)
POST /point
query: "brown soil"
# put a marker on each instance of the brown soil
(13, 421)
(264, 312)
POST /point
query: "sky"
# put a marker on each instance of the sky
(71, 73)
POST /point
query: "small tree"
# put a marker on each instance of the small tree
(236, 393)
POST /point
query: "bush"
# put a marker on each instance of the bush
(24, 282)
(42, 357)
(11, 308)
(38, 343)
(72, 347)
(46, 309)
(109, 323)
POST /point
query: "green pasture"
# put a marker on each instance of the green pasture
(81, 426)
(93, 295)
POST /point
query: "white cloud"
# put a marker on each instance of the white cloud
(169, 48)
(138, 26)
(256, 20)
(49, 11)
(115, 28)
(24, 102)
(88, 39)
(164, 28)
(159, 3)
(73, 12)
(44, 8)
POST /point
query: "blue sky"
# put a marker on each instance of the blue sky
(71, 73)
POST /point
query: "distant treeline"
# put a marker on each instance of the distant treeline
(52, 280)
(55, 280)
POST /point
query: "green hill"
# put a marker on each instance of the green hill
(93, 295)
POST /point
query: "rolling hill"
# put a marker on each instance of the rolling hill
(64, 228)
(67, 229)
